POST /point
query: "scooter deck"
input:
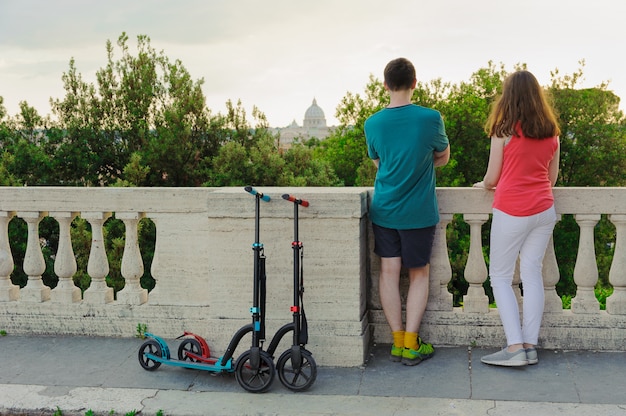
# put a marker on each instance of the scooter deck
(216, 368)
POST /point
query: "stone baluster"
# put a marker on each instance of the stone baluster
(8, 291)
(34, 263)
(586, 269)
(65, 262)
(157, 295)
(616, 303)
(551, 277)
(439, 298)
(476, 270)
(132, 264)
(98, 264)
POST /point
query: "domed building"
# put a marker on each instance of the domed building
(313, 126)
(314, 117)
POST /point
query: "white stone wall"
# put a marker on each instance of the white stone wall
(204, 258)
(203, 266)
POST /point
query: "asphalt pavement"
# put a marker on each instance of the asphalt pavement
(70, 375)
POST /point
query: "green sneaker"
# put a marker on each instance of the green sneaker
(396, 353)
(414, 357)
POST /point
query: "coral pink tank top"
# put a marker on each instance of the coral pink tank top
(524, 186)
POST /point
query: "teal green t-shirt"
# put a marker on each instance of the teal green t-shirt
(404, 139)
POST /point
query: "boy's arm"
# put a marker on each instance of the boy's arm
(376, 162)
(442, 158)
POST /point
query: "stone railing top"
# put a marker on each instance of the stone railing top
(216, 202)
(570, 200)
(333, 202)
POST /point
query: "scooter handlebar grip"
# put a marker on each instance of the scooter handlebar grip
(295, 200)
(254, 192)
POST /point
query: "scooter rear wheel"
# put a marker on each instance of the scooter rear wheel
(255, 380)
(150, 347)
(296, 377)
(189, 345)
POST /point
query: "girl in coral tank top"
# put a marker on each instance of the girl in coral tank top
(523, 168)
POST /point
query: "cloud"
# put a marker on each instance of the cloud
(280, 54)
(33, 24)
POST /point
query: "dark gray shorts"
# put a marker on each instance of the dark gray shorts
(414, 246)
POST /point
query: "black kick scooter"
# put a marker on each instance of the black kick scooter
(296, 367)
(254, 369)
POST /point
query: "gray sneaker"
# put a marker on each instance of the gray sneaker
(531, 355)
(506, 359)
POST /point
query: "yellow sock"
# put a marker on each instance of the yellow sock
(410, 340)
(398, 338)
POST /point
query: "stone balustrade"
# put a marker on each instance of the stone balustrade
(203, 267)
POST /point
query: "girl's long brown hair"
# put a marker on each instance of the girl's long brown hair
(523, 103)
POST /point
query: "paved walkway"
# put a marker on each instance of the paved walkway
(41, 375)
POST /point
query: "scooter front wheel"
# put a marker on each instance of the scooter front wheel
(150, 347)
(299, 374)
(255, 378)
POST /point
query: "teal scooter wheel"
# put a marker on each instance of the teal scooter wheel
(150, 347)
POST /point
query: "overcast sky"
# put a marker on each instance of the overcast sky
(280, 54)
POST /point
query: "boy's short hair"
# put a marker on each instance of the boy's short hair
(399, 74)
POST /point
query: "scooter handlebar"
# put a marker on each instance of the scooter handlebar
(254, 192)
(295, 200)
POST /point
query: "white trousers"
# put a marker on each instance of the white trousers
(527, 237)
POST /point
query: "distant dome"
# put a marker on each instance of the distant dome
(314, 111)
(314, 116)
(314, 126)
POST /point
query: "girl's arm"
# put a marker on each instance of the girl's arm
(494, 168)
(553, 168)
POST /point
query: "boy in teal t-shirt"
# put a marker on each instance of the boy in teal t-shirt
(406, 142)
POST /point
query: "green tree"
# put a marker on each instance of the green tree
(236, 165)
(231, 166)
(86, 153)
(593, 133)
(465, 108)
(593, 144)
(302, 169)
(28, 163)
(249, 154)
(23, 146)
(143, 104)
(7, 160)
(134, 172)
(182, 139)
